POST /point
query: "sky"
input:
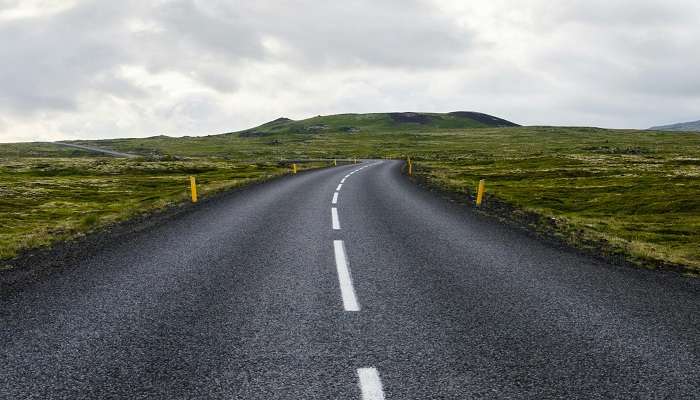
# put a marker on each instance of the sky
(72, 69)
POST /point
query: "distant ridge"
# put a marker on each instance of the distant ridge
(693, 126)
(375, 122)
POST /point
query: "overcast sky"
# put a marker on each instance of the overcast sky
(97, 69)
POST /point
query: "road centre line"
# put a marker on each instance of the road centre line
(369, 381)
(346, 289)
(370, 384)
(334, 218)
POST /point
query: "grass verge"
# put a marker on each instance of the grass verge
(43, 201)
(599, 204)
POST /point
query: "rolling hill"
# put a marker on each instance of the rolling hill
(693, 126)
(353, 123)
(320, 136)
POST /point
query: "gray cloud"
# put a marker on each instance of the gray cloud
(136, 68)
(401, 34)
(49, 61)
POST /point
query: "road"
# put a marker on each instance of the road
(112, 153)
(266, 293)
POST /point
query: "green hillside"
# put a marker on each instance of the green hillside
(331, 136)
(354, 123)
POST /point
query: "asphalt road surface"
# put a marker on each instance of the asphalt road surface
(397, 294)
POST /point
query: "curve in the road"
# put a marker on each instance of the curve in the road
(244, 298)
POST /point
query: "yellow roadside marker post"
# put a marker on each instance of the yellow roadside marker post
(193, 188)
(294, 168)
(355, 161)
(480, 194)
(335, 162)
(410, 166)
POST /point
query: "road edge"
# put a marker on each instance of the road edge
(547, 229)
(34, 264)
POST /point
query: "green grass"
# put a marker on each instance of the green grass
(43, 200)
(638, 191)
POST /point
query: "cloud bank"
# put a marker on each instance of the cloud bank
(95, 69)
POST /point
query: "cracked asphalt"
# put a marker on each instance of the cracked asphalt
(241, 299)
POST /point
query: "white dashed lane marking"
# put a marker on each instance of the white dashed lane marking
(346, 290)
(334, 218)
(370, 384)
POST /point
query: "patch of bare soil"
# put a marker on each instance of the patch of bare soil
(409, 117)
(483, 118)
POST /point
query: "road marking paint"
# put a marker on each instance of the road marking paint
(346, 290)
(335, 198)
(338, 188)
(334, 217)
(343, 180)
(370, 384)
